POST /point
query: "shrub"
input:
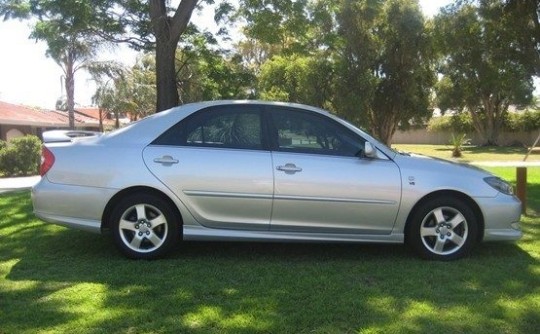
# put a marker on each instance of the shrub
(461, 123)
(457, 145)
(21, 156)
(528, 120)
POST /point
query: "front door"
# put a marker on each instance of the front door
(322, 181)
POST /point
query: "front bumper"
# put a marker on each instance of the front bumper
(501, 217)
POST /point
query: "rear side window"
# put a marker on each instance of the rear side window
(227, 127)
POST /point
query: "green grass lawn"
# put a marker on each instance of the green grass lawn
(57, 280)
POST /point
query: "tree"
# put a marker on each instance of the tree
(167, 30)
(276, 22)
(287, 47)
(105, 73)
(288, 27)
(297, 78)
(385, 67)
(205, 72)
(151, 26)
(145, 25)
(66, 31)
(105, 99)
(524, 17)
(126, 91)
(486, 66)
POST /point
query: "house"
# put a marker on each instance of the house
(18, 120)
(107, 118)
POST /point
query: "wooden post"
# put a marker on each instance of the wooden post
(521, 187)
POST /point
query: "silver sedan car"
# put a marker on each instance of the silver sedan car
(263, 171)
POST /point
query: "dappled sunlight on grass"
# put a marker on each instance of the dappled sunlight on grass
(53, 279)
(215, 317)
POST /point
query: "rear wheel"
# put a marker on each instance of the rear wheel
(144, 226)
(443, 228)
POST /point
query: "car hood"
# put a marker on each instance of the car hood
(442, 164)
(432, 174)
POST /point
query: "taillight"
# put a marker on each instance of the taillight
(47, 161)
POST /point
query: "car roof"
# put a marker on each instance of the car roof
(149, 128)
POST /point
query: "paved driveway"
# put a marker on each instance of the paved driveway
(16, 183)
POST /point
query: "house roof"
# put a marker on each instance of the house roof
(92, 112)
(14, 114)
(95, 113)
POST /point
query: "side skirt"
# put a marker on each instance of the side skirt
(206, 234)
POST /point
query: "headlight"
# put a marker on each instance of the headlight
(500, 185)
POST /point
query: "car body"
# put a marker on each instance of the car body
(266, 171)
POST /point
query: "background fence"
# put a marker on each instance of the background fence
(422, 136)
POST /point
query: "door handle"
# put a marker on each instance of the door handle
(289, 168)
(166, 160)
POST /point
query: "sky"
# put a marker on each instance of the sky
(28, 77)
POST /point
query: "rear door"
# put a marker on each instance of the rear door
(215, 161)
(322, 181)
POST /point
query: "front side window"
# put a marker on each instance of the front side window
(305, 132)
(220, 128)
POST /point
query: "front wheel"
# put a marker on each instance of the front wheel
(443, 228)
(144, 226)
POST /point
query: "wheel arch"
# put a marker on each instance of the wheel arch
(449, 193)
(134, 190)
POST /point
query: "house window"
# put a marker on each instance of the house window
(13, 133)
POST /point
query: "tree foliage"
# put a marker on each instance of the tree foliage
(523, 15)
(71, 29)
(127, 92)
(277, 22)
(207, 73)
(297, 78)
(385, 66)
(67, 31)
(151, 26)
(486, 66)
(370, 61)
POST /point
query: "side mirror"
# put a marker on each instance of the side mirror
(369, 150)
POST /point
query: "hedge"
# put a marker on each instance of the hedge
(20, 157)
(526, 121)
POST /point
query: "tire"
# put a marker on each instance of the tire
(144, 226)
(443, 229)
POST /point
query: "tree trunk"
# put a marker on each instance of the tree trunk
(477, 123)
(383, 127)
(167, 94)
(70, 90)
(167, 31)
(101, 116)
(495, 109)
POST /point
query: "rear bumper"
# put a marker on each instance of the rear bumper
(72, 222)
(71, 206)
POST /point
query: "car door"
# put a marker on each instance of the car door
(215, 161)
(322, 182)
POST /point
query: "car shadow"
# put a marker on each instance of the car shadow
(61, 276)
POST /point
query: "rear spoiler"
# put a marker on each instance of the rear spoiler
(63, 136)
